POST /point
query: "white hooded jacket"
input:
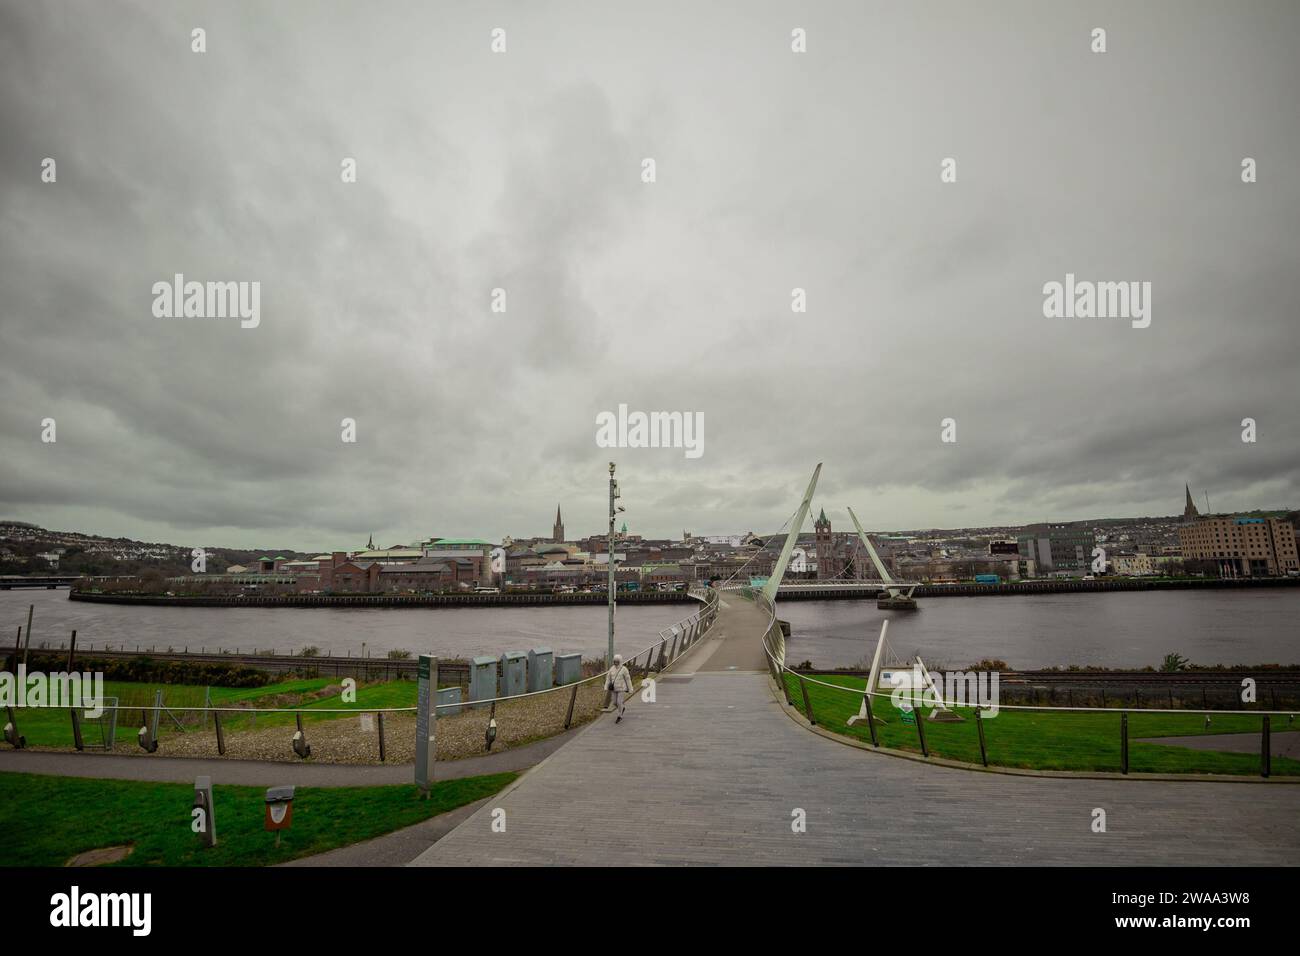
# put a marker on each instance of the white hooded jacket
(619, 678)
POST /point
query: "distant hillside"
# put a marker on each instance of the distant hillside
(22, 545)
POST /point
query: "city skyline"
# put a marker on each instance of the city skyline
(522, 171)
(839, 519)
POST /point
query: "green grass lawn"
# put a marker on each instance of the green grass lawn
(232, 696)
(385, 694)
(48, 820)
(1047, 740)
(52, 727)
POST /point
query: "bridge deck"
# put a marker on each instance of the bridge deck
(711, 772)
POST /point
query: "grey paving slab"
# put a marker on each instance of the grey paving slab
(713, 772)
(1283, 744)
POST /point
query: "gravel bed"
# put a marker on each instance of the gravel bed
(344, 741)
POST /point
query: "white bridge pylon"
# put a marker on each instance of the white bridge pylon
(774, 580)
(910, 680)
(885, 577)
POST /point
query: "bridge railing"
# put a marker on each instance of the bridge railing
(962, 720)
(860, 584)
(377, 727)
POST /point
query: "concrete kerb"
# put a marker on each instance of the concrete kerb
(794, 714)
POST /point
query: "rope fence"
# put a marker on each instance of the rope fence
(1234, 742)
(383, 733)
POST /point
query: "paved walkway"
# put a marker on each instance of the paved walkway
(713, 771)
(397, 848)
(1281, 744)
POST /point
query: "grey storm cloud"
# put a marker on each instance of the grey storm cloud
(522, 171)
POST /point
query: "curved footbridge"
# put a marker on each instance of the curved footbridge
(713, 771)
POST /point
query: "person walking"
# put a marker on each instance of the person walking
(618, 681)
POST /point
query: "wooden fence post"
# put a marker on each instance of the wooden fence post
(1123, 742)
(979, 723)
(920, 729)
(28, 643)
(807, 705)
(573, 697)
(1266, 749)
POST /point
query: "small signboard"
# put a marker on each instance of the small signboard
(279, 809)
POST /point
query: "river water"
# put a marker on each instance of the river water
(1114, 629)
(446, 632)
(1109, 629)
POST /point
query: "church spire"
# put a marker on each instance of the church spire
(557, 533)
(1189, 510)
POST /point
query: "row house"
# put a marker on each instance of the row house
(353, 577)
(428, 575)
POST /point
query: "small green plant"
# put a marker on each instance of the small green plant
(311, 650)
(1173, 663)
(399, 655)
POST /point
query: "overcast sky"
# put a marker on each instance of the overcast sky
(522, 170)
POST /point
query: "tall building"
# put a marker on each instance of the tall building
(1189, 510)
(557, 533)
(1241, 547)
(1058, 547)
(825, 547)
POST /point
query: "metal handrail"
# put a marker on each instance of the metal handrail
(675, 630)
(938, 701)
